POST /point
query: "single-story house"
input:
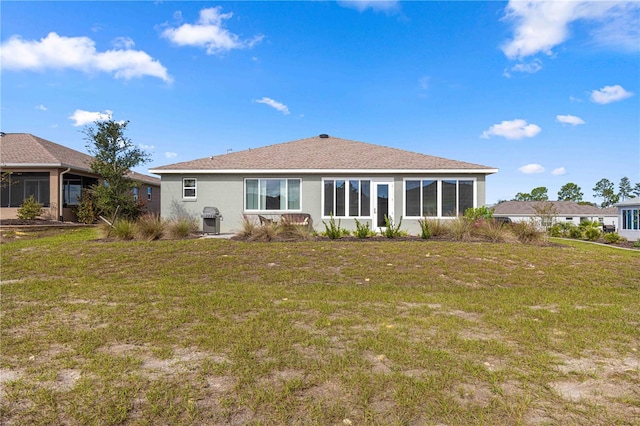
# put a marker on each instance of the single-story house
(56, 176)
(551, 212)
(324, 176)
(629, 218)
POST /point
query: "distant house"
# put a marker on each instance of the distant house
(323, 176)
(629, 218)
(557, 212)
(56, 176)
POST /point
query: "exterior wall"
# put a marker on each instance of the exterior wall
(226, 192)
(606, 220)
(151, 205)
(54, 192)
(629, 234)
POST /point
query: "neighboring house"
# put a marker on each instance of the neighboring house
(55, 175)
(323, 176)
(551, 212)
(629, 218)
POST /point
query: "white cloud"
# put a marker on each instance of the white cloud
(530, 67)
(377, 5)
(123, 43)
(539, 26)
(424, 82)
(87, 117)
(274, 104)
(209, 32)
(149, 147)
(569, 119)
(560, 171)
(574, 99)
(514, 129)
(170, 154)
(41, 107)
(609, 94)
(78, 53)
(531, 169)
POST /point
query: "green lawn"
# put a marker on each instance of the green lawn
(326, 332)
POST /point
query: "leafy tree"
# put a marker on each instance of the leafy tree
(115, 155)
(537, 194)
(570, 192)
(604, 189)
(636, 190)
(624, 188)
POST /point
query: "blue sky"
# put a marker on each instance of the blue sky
(547, 92)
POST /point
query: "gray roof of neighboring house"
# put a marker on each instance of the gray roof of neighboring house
(320, 153)
(27, 150)
(629, 202)
(562, 208)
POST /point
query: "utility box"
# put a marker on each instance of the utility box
(211, 219)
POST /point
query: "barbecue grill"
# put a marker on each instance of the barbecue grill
(211, 219)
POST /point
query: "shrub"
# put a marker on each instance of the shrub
(425, 232)
(591, 233)
(183, 226)
(460, 228)
(437, 227)
(637, 243)
(391, 230)
(478, 213)
(492, 229)
(30, 209)
(150, 227)
(612, 237)
(363, 230)
(526, 231)
(86, 211)
(248, 226)
(575, 232)
(124, 229)
(265, 232)
(333, 230)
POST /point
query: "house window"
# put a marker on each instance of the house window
(630, 219)
(149, 193)
(189, 188)
(72, 191)
(431, 197)
(568, 219)
(272, 194)
(135, 193)
(18, 186)
(347, 197)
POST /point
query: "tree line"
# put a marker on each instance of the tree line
(604, 189)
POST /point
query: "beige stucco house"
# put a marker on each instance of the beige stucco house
(56, 176)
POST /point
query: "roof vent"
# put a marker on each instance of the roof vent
(324, 136)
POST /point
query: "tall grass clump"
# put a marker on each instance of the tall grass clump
(123, 229)
(391, 230)
(363, 230)
(293, 232)
(425, 230)
(150, 227)
(527, 231)
(333, 230)
(492, 230)
(248, 226)
(461, 228)
(437, 227)
(182, 227)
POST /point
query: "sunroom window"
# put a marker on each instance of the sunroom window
(272, 194)
(347, 197)
(432, 197)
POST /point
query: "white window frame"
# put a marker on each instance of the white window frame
(275, 211)
(346, 196)
(194, 187)
(439, 180)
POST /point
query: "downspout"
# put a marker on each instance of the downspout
(62, 194)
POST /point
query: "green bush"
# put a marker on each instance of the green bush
(86, 211)
(363, 230)
(124, 229)
(612, 238)
(150, 227)
(637, 243)
(575, 232)
(391, 230)
(333, 230)
(425, 231)
(30, 209)
(590, 229)
(478, 213)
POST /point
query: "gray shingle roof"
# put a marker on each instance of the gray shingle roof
(24, 149)
(27, 150)
(562, 208)
(319, 153)
(629, 202)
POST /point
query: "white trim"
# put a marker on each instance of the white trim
(323, 171)
(195, 189)
(260, 211)
(438, 180)
(347, 179)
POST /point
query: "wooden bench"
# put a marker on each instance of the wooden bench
(298, 219)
